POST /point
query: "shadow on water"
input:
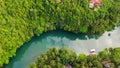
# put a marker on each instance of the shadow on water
(19, 54)
(70, 35)
(21, 51)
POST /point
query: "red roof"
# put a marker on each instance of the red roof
(96, 1)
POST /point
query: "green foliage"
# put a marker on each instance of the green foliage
(63, 57)
(20, 20)
(104, 55)
(115, 56)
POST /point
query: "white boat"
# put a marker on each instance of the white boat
(92, 50)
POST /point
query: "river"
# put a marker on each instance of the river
(79, 43)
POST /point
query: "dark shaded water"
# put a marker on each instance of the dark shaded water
(79, 43)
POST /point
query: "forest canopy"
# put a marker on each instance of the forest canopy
(20, 20)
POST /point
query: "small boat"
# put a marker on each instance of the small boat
(92, 52)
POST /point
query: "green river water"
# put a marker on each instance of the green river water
(79, 43)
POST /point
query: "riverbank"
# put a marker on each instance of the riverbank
(63, 57)
(78, 43)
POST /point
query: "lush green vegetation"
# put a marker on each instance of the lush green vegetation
(20, 20)
(59, 58)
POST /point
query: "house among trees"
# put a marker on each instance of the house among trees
(106, 64)
(94, 3)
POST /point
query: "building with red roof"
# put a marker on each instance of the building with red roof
(94, 2)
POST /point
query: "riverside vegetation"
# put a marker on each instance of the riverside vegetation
(20, 20)
(60, 58)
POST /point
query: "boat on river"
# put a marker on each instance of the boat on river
(92, 52)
